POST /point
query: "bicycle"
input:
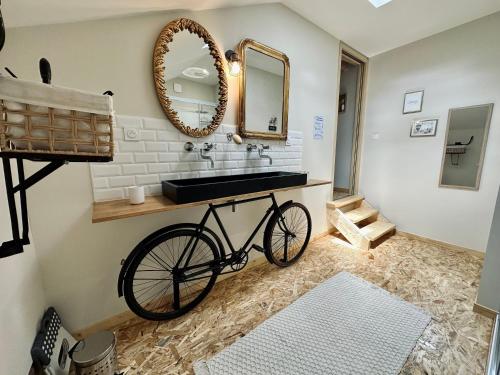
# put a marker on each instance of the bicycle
(173, 269)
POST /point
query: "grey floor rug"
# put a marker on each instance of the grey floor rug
(343, 326)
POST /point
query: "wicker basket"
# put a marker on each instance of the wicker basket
(31, 130)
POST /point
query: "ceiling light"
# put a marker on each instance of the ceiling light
(195, 72)
(379, 3)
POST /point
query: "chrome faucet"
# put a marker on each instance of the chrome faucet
(206, 148)
(251, 147)
(189, 147)
(261, 153)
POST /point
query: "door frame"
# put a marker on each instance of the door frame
(350, 54)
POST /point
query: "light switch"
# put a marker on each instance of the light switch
(132, 135)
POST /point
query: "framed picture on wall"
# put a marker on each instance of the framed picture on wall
(424, 128)
(413, 102)
(342, 102)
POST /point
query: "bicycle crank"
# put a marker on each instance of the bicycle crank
(238, 260)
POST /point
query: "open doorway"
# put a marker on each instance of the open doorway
(352, 72)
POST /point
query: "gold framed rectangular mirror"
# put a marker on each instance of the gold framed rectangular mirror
(465, 146)
(264, 85)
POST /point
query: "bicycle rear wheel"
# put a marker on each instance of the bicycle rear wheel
(287, 235)
(157, 285)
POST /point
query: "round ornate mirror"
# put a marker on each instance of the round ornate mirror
(189, 77)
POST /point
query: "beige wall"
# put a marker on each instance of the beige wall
(80, 261)
(22, 300)
(399, 174)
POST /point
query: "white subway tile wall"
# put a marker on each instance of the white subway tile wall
(159, 155)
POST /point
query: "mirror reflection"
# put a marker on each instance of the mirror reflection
(264, 92)
(264, 85)
(191, 80)
(466, 138)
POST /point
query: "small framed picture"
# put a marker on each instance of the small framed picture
(342, 103)
(413, 102)
(424, 128)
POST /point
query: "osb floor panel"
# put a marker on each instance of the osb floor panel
(441, 281)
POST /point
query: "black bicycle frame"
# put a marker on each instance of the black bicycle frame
(225, 260)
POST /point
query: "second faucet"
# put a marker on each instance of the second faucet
(260, 149)
(206, 148)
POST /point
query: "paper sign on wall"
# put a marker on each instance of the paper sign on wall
(318, 129)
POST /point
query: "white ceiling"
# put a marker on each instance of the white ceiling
(373, 31)
(356, 22)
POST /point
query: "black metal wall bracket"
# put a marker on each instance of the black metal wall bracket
(20, 239)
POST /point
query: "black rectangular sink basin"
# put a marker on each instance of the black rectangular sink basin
(206, 188)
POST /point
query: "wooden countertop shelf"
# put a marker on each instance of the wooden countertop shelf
(122, 209)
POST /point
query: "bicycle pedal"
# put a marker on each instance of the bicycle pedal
(258, 248)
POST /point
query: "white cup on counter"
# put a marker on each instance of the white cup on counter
(136, 194)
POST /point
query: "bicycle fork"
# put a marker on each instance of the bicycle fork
(283, 227)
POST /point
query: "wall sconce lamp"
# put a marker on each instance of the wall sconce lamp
(233, 59)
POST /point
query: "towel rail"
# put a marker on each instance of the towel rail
(21, 238)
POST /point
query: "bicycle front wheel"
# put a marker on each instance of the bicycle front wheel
(287, 235)
(171, 274)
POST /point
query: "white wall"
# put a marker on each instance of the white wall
(80, 261)
(399, 174)
(488, 295)
(345, 128)
(23, 299)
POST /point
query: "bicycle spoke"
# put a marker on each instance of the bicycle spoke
(159, 261)
(143, 283)
(155, 270)
(152, 300)
(167, 253)
(144, 291)
(285, 250)
(151, 264)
